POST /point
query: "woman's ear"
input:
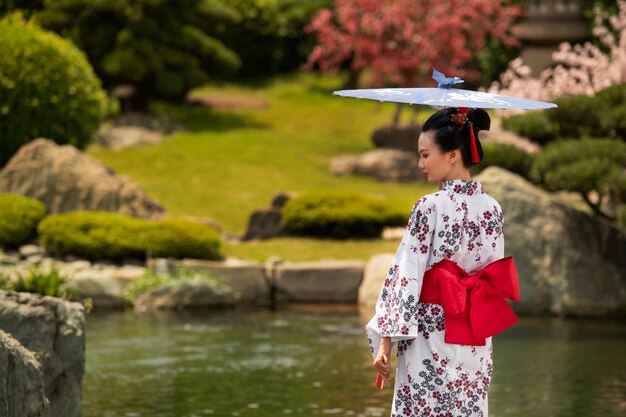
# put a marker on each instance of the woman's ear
(453, 156)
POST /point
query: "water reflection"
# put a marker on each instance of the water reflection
(270, 363)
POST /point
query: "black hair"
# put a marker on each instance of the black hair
(449, 135)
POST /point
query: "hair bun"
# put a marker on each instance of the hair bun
(480, 119)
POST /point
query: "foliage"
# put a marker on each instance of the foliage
(400, 43)
(340, 215)
(247, 156)
(603, 115)
(47, 88)
(19, 217)
(576, 116)
(103, 235)
(586, 166)
(505, 156)
(535, 125)
(149, 281)
(160, 47)
(5, 282)
(578, 69)
(173, 238)
(39, 281)
(268, 35)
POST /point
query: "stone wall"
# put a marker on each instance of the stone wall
(54, 330)
(21, 388)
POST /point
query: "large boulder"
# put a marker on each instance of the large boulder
(54, 330)
(21, 390)
(382, 164)
(569, 262)
(329, 281)
(186, 294)
(376, 271)
(65, 179)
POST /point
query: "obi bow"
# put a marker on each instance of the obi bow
(474, 305)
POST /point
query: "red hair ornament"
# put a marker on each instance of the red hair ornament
(461, 118)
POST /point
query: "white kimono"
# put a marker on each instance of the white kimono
(433, 378)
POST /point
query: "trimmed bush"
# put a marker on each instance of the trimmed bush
(585, 166)
(506, 156)
(603, 115)
(103, 235)
(611, 111)
(536, 126)
(340, 215)
(576, 116)
(183, 239)
(19, 217)
(47, 88)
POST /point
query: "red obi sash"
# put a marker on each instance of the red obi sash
(474, 305)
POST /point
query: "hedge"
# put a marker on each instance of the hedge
(111, 236)
(603, 115)
(340, 215)
(505, 156)
(19, 217)
(47, 88)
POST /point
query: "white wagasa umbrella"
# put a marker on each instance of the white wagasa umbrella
(446, 96)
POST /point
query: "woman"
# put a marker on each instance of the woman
(444, 362)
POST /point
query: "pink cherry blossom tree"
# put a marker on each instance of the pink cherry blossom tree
(578, 69)
(397, 42)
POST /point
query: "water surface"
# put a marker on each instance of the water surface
(297, 363)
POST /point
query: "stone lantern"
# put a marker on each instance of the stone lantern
(549, 23)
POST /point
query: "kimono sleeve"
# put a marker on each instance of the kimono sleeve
(397, 304)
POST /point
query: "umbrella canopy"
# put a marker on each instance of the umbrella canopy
(446, 96)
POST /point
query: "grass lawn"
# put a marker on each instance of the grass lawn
(229, 163)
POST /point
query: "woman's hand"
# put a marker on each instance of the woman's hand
(382, 362)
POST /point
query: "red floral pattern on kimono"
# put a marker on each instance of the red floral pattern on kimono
(462, 223)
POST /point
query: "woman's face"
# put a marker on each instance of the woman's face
(435, 164)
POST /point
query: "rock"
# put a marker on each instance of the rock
(65, 179)
(280, 199)
(403, 138)
(382, 164)
(104, 286)
(186, 294)
(325, 281)
(54, 330)
(122, 137)
(264, 224)
(376, 271)
(247, 278)
(30, 250)
(21, 391)
(569, 262)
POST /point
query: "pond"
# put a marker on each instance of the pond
(298, 362)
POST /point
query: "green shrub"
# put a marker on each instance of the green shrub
(102, 235)
(149, 281)
(611, 111)
(19, 217)
(163, 48)
(5, 282)
(506, 156)
(576, 116)
(42, 282)
(340, 215)
(603, 115)
(183, 239)
(585, 166)
(47, 88)
(536, 126)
